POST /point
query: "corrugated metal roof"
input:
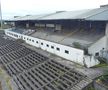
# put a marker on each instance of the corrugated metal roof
(90, 14)
(65, 15)
(31, 17)
(99, 16)
(94, 14)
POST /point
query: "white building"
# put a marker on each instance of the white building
(58, 32)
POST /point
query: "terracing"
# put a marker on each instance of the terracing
(31, 70)
(67, 37)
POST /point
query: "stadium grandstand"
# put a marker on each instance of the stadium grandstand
(78, 36)
(31, 70)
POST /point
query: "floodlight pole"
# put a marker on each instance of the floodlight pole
(1, 22)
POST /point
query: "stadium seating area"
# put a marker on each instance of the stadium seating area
(33, 71)
(4, 41)
(14, 55)
(49, 76)
(25, 63)
(85, 34)
(24, 31)
(67, 37)
(9, 48)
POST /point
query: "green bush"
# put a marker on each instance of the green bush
(77, 45)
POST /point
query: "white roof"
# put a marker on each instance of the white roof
(90, 14)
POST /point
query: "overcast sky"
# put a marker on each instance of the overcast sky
(12, 8)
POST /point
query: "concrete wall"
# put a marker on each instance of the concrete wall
(98, 46)
(58, 27)
(13, 35)
(90, 61)
(50, 25)
(27, 25)
(106, 33)
(72, 54)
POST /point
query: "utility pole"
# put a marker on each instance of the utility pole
(1, 22)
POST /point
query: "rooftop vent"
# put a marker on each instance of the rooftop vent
(16, 16)
(104, 6)
(60, 11)
(27, 15)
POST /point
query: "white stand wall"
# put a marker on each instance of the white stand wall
(91, 61)
(98, 46)
(72, 54)
(106, 33)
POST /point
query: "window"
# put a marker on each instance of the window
(47, 45)
(97, 54)
(24, 38)
(15, 35)
(58, 49)
(29, 39)
(66, 51)
(32, 40)
(41, 43)
(52, 47)
(36, 41)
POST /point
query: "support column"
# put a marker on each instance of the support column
(13, 24)
(58, 27)
(27, 25)
(106, 33)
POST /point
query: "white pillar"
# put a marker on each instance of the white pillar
(27, 25)
(13, 24)
(106, 33)
(1, 22)
(58, 27)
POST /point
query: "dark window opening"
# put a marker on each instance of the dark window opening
(58, 49)
(41, 43)
(52, 47)
(67, 52)
(29, 39)
(36, 41)
(32, 40)
(47, 45)
(97, 54)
